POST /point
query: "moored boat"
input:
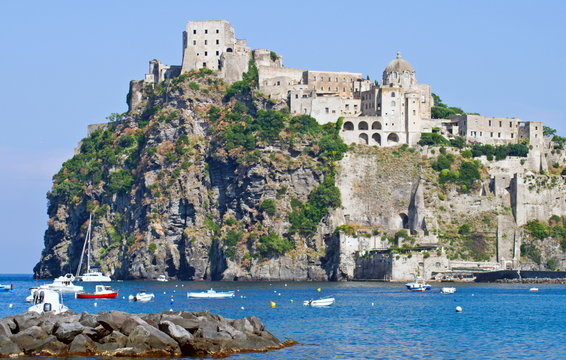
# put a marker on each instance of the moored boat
(90, 275)
(100, 292)
(162, 278)
(6, 287)
(320, 302)
(47, 301)
(211, 294)
(418, 285)
(142, 296)
(63, 284)
(448, 290)
(533, 289)
(94, 276)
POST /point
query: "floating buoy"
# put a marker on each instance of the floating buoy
(272, 304)
(318, 289)
(10, 306)
(164, 293)
(242, 308)
(95, 304)
(372, 304)
(171, 309)
(285, 284)
(458, 309)
(176, 285)
(292, 301)
(174, 290)
(182, 285)
(123, 298)
(275, 291)
(279, 294)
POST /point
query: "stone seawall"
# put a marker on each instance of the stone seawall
(519, 275)
(120, 334)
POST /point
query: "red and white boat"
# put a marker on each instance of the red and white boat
(101, 292)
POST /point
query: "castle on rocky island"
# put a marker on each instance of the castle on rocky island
(395, 112)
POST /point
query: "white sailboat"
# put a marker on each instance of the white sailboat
(90, 275)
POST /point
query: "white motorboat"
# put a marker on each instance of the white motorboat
(91, 275)
(211, 294)
(63, 284)
(320, 302)
(47, 301)
(448, 290)
(162, 278)
(6, 287)
(418, 285)
(142, 296)
(533, 289)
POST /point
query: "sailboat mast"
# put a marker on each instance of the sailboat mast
(88, 239)
(84, 246)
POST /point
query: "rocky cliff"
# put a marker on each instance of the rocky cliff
(197, 184)
(200, 181)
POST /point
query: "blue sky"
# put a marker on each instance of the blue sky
(66, 64)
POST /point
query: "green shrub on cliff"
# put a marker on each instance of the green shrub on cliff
(273, 245)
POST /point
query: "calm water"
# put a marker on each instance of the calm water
(497, 322)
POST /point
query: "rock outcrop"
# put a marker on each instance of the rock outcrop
(119, 334)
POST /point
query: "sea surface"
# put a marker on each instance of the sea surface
(370, 320)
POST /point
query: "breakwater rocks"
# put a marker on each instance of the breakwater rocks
(117, 333)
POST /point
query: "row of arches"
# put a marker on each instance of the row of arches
(392, 139)
(362, 125)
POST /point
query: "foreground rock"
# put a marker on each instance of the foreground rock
(117, 333)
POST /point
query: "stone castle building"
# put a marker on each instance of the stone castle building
(395, 112)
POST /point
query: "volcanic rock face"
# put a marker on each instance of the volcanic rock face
(171, 194)
(117, 333)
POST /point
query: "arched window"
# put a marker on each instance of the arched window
(394, 75)
(229, 50)
(376, 125)
(363, 139)
(363, 125)
(348, 126)
(392, 139)
(404, 220)
(377, 139)
(393, 94)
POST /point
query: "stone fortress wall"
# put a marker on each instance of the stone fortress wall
(392, 113)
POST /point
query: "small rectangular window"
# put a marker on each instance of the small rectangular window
(205, 42)
(203, 64)
(194, 42)
(194, 31)
(206, 53)
(327, 110)
(205, 31)
(217, 31)
(510, 124)
(489, 122)
(512, 136)
(498, 135)
(500, 123)
(491, 134)
(217, 42)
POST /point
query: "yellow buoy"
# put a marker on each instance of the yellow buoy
(318, 289)
(272, 304)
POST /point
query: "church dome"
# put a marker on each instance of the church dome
(399, 72)
(399, 65)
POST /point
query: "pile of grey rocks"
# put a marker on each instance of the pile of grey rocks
(117, 333)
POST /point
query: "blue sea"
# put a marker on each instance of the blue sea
(370, 320)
